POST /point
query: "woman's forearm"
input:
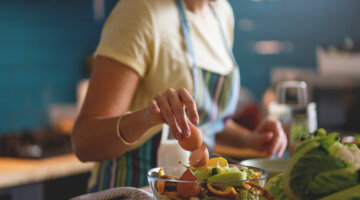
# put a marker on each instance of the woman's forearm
(111, 88)
(268, 137)
(234, 135)
(96, 139)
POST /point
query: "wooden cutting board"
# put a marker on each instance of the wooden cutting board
(238, 153)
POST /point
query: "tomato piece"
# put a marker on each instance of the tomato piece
(188, 190)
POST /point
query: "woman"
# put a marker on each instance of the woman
(155, 59)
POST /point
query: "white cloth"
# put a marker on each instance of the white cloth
(123, 193)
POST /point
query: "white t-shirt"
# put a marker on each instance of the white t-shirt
(146, 36)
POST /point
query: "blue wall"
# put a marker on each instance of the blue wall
(43, 45)
(300, 25)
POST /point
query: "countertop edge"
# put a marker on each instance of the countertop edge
(16, 172)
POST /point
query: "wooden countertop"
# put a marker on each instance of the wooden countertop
(238, 153)
(17, 171)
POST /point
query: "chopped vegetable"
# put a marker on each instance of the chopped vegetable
(222, 191)
(214, 181)
(229, 178)
(218, 161)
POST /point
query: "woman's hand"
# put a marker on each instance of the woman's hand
(269, 136)
(169, 107)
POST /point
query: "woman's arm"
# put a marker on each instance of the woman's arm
(110, 91)
(112, 86)
(234, 135)
(268, 136)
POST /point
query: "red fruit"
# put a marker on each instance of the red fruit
(188, 190)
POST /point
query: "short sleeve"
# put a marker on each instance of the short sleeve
(127, 35)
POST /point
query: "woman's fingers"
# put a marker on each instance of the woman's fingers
(262, 140)
(168, 107)
(153, 114)
(187, 99)
(278, 142)
(282, 149)
(179, 112)
(168, 115)
(284, 143)
(154, 107)
(268, 136)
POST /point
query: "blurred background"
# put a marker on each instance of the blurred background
(46, 46)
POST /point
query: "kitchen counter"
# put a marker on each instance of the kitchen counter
(17, 171)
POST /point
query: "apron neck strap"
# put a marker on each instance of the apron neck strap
(226, 42)
(186, 31)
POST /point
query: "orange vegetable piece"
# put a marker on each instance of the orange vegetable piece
(222, 191)
(160, 185)
(257, 175)
(214, 162)
(247, 186)
(161, 172)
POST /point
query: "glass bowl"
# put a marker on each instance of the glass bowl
(272, 166)
(244, 189)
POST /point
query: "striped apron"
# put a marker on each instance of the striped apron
(216, 98)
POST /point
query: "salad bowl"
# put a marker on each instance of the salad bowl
(211, 183)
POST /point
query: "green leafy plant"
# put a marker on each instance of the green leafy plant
(320, 168)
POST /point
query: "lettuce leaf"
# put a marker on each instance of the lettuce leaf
(349, 153)
(324, 140)
(314, 172)
(321, 167)
(317, 174)
(334, 180)
(304, 148)
(352, 193)
(275, 186)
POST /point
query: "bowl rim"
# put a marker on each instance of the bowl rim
(262, 178)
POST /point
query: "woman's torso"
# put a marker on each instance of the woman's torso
(169, 68)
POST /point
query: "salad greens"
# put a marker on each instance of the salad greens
(217, 180)
(275, 187)
(320, 168)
